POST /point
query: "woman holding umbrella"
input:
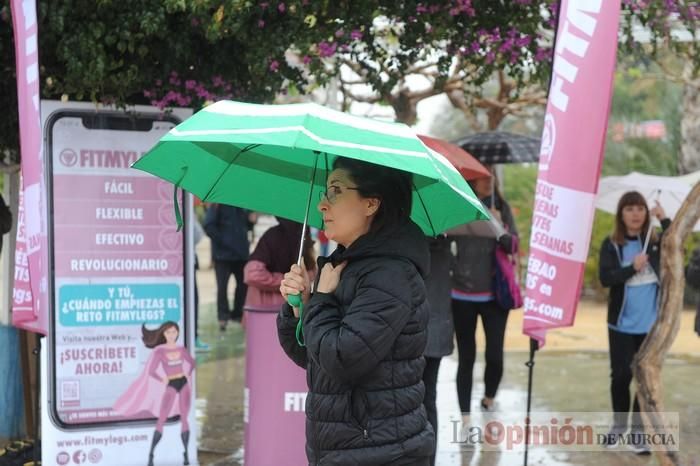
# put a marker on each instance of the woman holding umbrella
(365, 324)
(629, 266)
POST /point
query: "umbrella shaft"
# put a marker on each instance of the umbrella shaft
(306, 214)
(301, 244)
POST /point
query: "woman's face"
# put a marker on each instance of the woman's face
(633, 217)
(171, 335)
(483, 187)
(346, 214)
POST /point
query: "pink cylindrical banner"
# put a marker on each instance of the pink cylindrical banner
(571, 155)
(274, 413)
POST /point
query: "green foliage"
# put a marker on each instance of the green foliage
(519, 190)
(641, 94)
(9, 130)
(113, 51)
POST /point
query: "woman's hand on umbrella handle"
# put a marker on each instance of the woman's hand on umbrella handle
(296, 282)
(330, 277)
(640, 261)
(658, 211)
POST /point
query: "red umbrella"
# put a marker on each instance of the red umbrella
(467, 165)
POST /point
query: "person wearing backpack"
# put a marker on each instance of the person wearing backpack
(473, 296)
(632, 274)
(5, 220)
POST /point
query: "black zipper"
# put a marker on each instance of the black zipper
(360, 424)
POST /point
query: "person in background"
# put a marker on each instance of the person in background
(228, 226)
(632, 274)
(692, 278)
(473, 297)
(323, 242)
(5, 220)
(440, 326)
(274, 254)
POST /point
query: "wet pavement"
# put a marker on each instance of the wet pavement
(565, 381)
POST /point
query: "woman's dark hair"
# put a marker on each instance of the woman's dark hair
(153, 338)
(628, 199)
(394, 188)
(498, 200)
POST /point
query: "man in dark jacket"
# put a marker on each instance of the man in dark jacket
(692, 278)
(440, 326)
(5, 220)
(227, 226)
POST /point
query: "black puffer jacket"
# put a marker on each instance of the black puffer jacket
(364, 355)
(440, 326)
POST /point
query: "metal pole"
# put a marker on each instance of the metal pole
(530, 366)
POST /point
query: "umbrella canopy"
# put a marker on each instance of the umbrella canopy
(669, 191)
(470, 169)
(494, 147)
(468, 166)
(276, 158)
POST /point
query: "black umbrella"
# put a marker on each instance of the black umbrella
(494, 147)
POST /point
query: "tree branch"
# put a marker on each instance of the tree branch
(650, 357)
(456, 98)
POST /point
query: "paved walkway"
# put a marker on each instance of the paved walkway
(570, 353)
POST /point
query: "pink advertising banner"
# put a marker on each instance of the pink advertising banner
(119, 369)
(29, 304)
(571, 155)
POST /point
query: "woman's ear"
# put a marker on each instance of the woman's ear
(372, 205)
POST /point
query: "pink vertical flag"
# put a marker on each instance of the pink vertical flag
(573, 143)
(29, 293)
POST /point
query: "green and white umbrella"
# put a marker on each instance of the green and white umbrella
(276, 159)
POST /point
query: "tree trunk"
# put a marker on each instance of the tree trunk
(649, 359)
(404, 107)
(689, 158)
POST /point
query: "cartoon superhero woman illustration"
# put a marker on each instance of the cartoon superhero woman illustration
(165, 380)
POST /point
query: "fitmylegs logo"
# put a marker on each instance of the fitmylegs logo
(549, 138)
(68, 157)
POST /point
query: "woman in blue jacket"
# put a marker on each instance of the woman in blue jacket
(632, 274)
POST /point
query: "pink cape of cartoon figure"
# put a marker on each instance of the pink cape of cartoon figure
(143, 397)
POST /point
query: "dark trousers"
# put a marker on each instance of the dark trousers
(224, 270)
(196, 306)
(430, 374)
(493, 319)
(623, 348)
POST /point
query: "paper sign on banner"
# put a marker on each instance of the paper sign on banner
(571, 154)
